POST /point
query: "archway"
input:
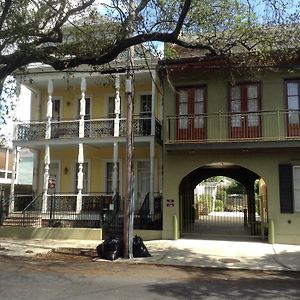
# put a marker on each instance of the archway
(237, 216)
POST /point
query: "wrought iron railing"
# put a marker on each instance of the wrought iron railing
(94, 128)
(64, 129)
(32, 131)
(62, 210)
(270, 125)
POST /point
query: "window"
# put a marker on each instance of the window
(244, 106)
(56, 110)
(292, 91)
(111, 107)
(146, 105)
(85, 177)
(191, 109)
(296, 178)
(109, 177)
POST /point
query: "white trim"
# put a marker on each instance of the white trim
(105, 161)
(296, 187)
(88, 161)
(77, 105)
(106, 101)
(61, 99)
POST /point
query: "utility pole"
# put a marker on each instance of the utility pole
(129, 88)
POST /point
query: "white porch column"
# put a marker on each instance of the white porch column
(13, 180)
(15, 151)
(82, 107)
(80, 178)
(153, 106)
(116, 134)
(6, 163)
(35, 171)
(46, 177)
(49, 109)
(152, 171)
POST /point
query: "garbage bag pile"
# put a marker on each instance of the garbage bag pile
(112, 248)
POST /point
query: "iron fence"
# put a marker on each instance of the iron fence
(63, 210)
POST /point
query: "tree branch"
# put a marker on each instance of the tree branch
(5, 12)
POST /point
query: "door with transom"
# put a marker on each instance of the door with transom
(244, 105)
(191, 107)
(293, 106)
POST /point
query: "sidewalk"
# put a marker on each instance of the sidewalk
(182, 252)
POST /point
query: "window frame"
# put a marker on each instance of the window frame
(296, 201)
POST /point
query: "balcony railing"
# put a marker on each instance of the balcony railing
(94, 128)
(276, 125)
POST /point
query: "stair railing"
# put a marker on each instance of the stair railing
(30, 204)
(4, 205)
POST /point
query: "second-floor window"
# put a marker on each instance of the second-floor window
(56, 109)
(191, 107)
(244, 105)
(145, 105)
(111, 107)
(293, 106)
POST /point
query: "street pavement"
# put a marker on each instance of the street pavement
(181, 252)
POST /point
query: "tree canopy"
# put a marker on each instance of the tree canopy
(67, 33)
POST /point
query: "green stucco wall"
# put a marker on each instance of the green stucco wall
(264, 162)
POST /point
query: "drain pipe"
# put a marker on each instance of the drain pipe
(271, 231)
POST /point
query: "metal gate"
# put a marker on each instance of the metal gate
(213, 212)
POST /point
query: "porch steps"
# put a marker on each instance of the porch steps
(17, 219)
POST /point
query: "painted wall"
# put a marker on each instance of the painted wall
(265, 163)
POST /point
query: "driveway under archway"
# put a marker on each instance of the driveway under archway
(192, 226)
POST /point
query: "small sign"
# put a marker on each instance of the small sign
(51, 183)
(170, 203)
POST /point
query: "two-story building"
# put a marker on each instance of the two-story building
(216, 122)
(243, 125)
(77, 132)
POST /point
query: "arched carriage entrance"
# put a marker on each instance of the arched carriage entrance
(214, 213)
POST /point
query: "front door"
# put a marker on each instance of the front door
(143, 182)
(244, 106)
(191, 107)
(292, 91)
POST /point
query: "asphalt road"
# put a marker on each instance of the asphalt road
(72, 277)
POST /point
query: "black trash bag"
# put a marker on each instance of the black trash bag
(138, 247)
(110, 249)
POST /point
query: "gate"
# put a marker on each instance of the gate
(212, 212)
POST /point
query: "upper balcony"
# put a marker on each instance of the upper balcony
(260, 129)
(93, 129)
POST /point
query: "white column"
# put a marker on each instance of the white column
(14, 152)
(152, 171)
(6, 163)
(17, 164)
(46, 177)
(82, 107)
(153, 106)
(116, 134)
(49, 109)
(80, 178)
(35, 171)
(13, 179)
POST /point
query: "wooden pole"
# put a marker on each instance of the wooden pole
(129, 88)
